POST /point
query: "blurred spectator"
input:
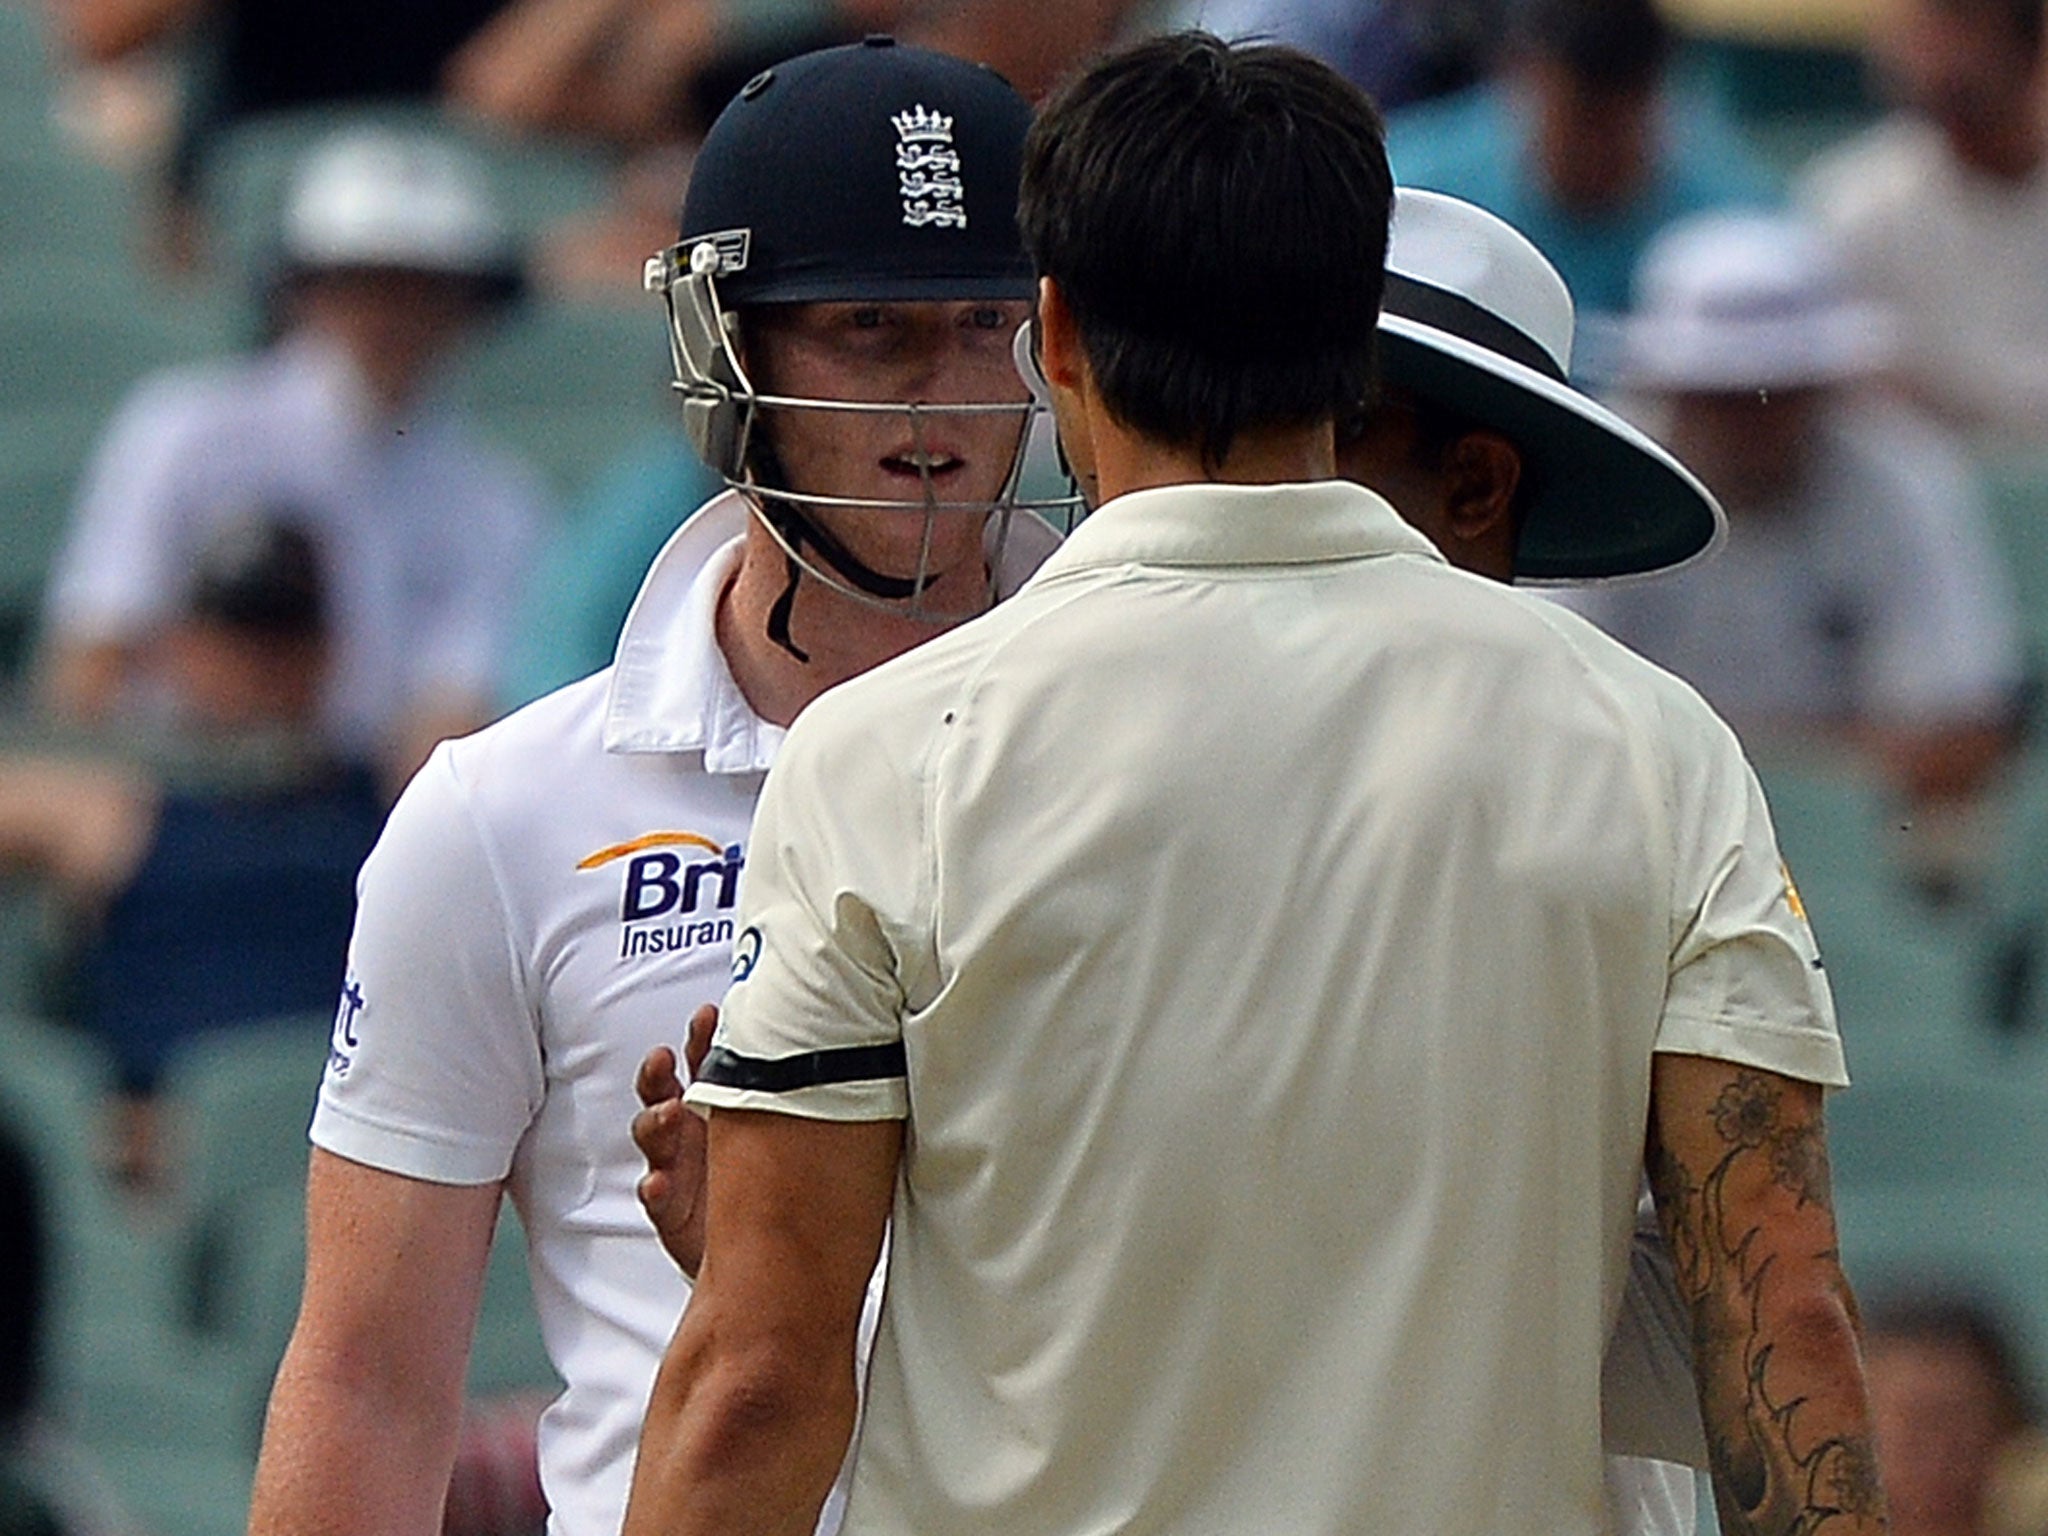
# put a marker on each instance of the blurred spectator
(1583, 142)
(627, 70)
(1030, 43)
(241, 59)
(222, 901)
(605, 67)
(1858, 597)
(267, 57)
(1398, 51)
(1958, 1432)
(1942, 210)
(1033, 44)
(390, 258)
(598, 253)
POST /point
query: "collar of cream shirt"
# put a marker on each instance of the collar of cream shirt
(1210, 524)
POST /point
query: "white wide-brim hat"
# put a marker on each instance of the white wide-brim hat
(1727, 302)
(383, 197)
(1476, 321)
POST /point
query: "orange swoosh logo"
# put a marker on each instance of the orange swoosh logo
(648, 840)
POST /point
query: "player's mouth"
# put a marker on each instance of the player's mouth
(916, 464)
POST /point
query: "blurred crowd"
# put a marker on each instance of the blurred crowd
(1957, 1414)
(1862, 347)
(286, 570)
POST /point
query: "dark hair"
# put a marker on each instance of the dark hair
(1436, 425)
(1953, 1316)
(1606, 45)
(2025, 21)
(1216, 218)
(260, 574)
(2029, 19)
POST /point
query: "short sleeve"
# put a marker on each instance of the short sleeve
(832, 918)
(1746, 980)
(120, 566)
(435, 1069)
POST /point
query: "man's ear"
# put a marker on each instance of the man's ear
(1482, 472)
(1060, 355)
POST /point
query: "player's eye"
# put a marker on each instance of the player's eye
(869, 317)
(987, 317)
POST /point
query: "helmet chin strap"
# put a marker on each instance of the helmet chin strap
(797, 529)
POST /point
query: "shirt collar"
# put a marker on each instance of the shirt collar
(671, 690)
(1211, 524)
(671, 687)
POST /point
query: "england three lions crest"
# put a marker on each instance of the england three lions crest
(928, 170)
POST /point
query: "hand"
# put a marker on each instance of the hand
(536, 64)
(671, 1139)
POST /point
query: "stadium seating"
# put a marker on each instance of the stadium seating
(81, 319)
(574, 387)
(507, 1355)
(2016, 496)
(83, 316)
(1905, 986)
(237, 1102)
(29, 946)
(167, 1322)
(241, 1100)
(2012, 951)
(29, 80)
(58, 203)
(1937, 1146)
(148, 1415)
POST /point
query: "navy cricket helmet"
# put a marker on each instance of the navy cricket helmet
(872, 172)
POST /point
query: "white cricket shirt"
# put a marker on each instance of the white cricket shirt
(552, 898)
(1266, 930)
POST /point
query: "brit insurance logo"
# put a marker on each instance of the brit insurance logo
(677, 891)
(341, 1048)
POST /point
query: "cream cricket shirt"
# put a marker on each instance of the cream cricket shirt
(1266, 930)
(551, 899)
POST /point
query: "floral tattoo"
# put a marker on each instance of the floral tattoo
(1767, 1482)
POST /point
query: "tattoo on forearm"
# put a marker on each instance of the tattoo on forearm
(1762, 1477)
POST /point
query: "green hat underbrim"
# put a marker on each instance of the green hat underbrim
(1603, 501)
